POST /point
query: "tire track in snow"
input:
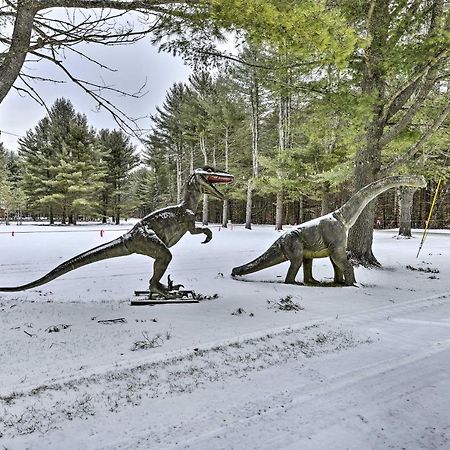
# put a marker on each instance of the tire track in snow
(47, 406)
(353, 319)
(116, 387)
(308, 411)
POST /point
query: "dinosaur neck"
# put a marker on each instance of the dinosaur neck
(192, 195)
(351, 210)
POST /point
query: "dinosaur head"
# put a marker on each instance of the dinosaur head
(207, 177)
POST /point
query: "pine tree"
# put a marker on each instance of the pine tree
(62, 164)
(119, 159)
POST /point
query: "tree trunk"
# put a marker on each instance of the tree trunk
(225, 201)
(13, 60)
(205, 196)
(179, 178)
(254, 100)
(368, 157)
(248, 206)
(104, 207)
(279, 212)
(300, 210)
(51, 217)
(360, 237)
(326, 201)
(283, 139)
(405, 202)
(225, 213)
(118, 211)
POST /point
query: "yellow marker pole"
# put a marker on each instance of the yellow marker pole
(427, 223)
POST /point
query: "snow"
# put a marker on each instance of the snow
(357, 367)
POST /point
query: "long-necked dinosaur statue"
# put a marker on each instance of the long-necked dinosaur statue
(324, 237)
(152, 236)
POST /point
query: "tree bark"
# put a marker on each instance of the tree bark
(283, 127)
(326, 201)
(191, 161)
(405, 202)
(179, 178)
(225, 201)
(13, 61)
(249, 205)
(205, 196)
(368, 157)
(254, 100)
(279, 212)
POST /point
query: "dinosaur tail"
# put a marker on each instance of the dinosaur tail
(351, 210)
(272, 256)
(111, 249)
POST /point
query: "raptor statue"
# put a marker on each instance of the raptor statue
(152, 236)
(324, 237)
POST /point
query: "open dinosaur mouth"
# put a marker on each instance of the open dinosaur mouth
(219, 178)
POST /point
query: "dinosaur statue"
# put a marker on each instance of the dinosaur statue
(324, 237)
(152, 236)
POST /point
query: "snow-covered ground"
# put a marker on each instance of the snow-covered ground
(358, 368)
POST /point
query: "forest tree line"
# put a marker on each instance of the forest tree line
(66, 171)
(301, 115)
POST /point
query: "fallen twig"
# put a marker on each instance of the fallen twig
(149, 342)
(26, 332)
(118, 320)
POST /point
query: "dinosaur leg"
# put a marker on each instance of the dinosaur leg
(292, 272)
(338, 274)
(339, 257)
(159, 267)
(293, 250)
(149, 244)
(307, 272)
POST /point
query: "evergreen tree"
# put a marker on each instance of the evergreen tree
(142, 191)
(37, 155)
(119, 158)
(171, 138)
(5, 191)
(62, 164)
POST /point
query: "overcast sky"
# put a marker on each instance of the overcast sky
(135, 64)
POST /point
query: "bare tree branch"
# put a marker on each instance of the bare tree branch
(413, 149)
(402, 95)
(405, 120)
(122, 119)
(34, 94)
(113, 4)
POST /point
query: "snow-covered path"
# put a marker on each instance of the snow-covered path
(357, 368)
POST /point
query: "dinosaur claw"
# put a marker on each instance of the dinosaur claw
(171, 286)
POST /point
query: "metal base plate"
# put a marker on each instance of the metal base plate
(160, 302)
(180, 296)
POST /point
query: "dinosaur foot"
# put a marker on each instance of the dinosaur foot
(311, 282)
